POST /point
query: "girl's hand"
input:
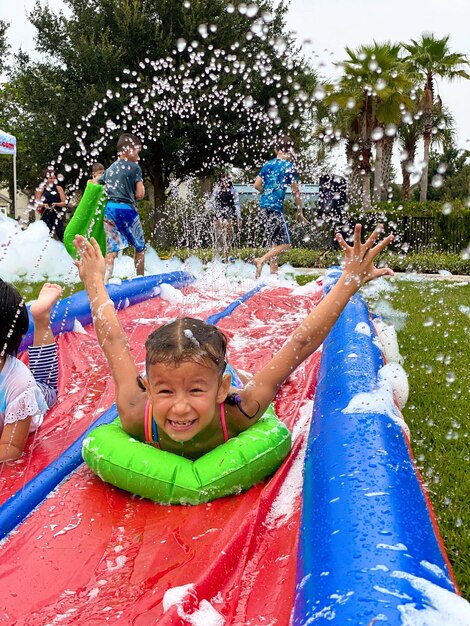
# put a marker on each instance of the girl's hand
(359, 258)
(90, 263)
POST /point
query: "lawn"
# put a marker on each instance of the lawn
(433, 321)
(434, 342)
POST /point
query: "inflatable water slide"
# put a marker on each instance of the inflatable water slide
(342, 533)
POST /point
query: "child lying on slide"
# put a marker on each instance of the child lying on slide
(185, 404)
(25, 394)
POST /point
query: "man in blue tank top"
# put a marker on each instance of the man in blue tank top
(272, 182)
(124, 186)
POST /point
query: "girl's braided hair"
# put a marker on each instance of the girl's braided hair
(14, 320)
(187, 339)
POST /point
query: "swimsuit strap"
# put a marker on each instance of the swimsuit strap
(223, 422)
(150, 427)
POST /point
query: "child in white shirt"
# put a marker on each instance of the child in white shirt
(25, 393)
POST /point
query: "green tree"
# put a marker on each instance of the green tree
(449, 173)
(410, 132)
(4, 46)
(431, 57)
(201, 84)
(369, 98)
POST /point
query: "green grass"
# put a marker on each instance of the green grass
(30, 291)
(434, 342)
(435, 345)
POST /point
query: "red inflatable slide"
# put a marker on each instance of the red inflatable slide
(92, 554)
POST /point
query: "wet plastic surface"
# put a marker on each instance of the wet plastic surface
(92, 554)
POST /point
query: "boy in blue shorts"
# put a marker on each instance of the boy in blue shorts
(272, 182)
(124, 186)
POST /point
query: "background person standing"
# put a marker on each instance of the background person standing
(124, 186)
(51, 203)
(272, 182)
(226, 201)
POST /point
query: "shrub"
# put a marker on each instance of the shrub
(421, 262)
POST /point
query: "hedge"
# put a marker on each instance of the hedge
(417, 226)
(425, 262)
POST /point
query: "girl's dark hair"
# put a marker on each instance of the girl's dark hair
(48, 171)
(14, 320)
(186, 339)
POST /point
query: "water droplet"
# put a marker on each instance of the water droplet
(377, 134)
(202, 30)
(437, 181)
(251, 10)
(181, 44)
(248, 102)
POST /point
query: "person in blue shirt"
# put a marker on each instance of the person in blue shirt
(272, 182)
(124, 186)
(226, 202)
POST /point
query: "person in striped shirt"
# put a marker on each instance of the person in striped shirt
(26, 394)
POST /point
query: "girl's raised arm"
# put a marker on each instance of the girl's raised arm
(111, 336)
(358, 269)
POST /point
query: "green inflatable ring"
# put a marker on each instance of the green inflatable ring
(87, 219)
(234, 466)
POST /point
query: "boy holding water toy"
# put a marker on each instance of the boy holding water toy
(185, 404)
(25, 394)
(124, 186)
(272, 182)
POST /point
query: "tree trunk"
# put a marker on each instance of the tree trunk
(405, 187)
(157, 217)
(423, 195)
(387, 166)
(366, 199)
(366, 154)
(354, 179)
(378, 172)
(428, 98)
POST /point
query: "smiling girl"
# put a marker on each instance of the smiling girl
(185, 404)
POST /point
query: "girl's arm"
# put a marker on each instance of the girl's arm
(358, 269)
(111, 336)
(13, 440)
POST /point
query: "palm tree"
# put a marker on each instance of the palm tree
(431, 57)
(411, 130)
(371, 93)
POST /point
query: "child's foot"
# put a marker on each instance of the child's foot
(47, 297)
(259, 266)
